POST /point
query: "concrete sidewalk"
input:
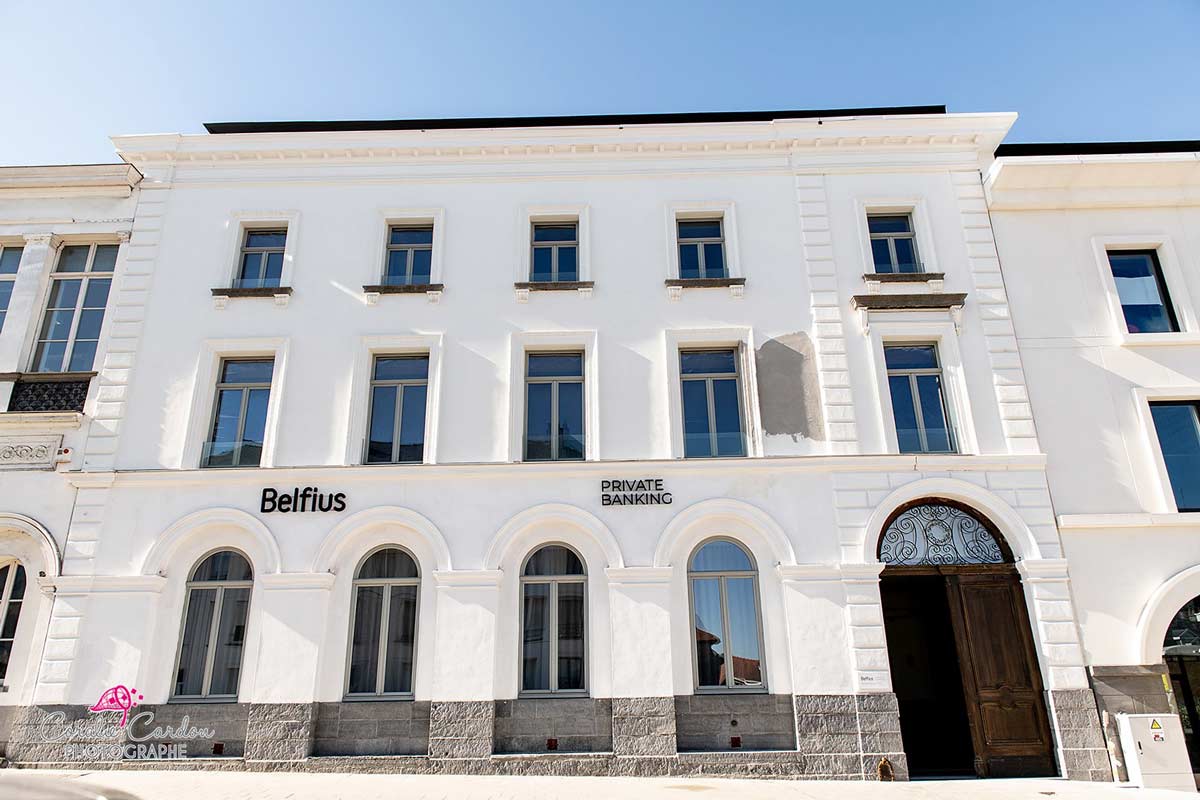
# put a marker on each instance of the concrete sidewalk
(180, 785)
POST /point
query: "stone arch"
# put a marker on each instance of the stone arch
(1161, 608)
(251, 536)
(47, 547)
(516, 531)
(357, 530)
(1016, 534)
(752, 526)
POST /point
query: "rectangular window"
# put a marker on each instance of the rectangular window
(893, 246)
(1143, 292)
(262, 259)
(918, 399)
(554, 407)
(409, 255)
(10, 258)
(78, 296)
(399, 386)
(240, 414)
(555, 252)
(712, 416)
(701, 248)
(1178, 428)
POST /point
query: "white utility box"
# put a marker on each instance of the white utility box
(1156, 755)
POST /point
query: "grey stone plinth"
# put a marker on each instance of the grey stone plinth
(63, 734)
(643, 726)
(849, 735)
(713, 722)
(280, 731)
(576, 724)
(372, 728)
(461, 729)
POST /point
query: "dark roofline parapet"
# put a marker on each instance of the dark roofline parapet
(1097, 148)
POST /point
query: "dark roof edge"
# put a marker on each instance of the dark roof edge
(314, 126)
(1097, 148)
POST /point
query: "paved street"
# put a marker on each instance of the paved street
(174, 785)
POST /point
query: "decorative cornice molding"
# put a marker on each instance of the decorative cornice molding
(638, 575)
(468, 578)
(1130, 520)
(298, 581)
(105, 584)
(40, 420)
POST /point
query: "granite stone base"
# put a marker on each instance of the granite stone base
(280, 731)
(1080, 738)
(714, 723)
(372, 728)
(6, 720)
(1127, 690)
(854, 733)
(461, 729)
(571, 724)
(644, 726)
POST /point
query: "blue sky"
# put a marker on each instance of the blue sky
(76, 72)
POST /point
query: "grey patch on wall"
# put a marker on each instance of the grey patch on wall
(789, 394)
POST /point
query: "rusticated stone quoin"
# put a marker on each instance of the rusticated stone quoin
(1080, 735)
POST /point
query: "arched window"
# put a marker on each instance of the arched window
(12, 593)
(940, 533)
(214, 627)
(723, 584)
(383, 628)
(553, 622)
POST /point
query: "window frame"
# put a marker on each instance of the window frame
(10, 278)
(238, 224)
(554, 382)
(246, 249)
(710, 398)
(214, 627)
(1156, 493)
(246, 388)
(755, 575)
(5, 601)
(389, 248)
(85, 277)
(400, 383)
(1160, 282)
(550, 214)
(553, 247)
(381, 656)
(695, 211)
(552, 624)
(912, 374)
(1172, 276)
(521, 342)
(699, 243)
(891, 240)
(740, 339)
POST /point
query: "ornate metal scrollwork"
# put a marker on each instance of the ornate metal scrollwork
(935, 534)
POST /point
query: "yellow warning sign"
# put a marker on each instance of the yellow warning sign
(1155, 725)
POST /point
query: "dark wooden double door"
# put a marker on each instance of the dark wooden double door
(965, 672)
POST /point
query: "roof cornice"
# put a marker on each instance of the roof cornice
(1101, 180)
(99, 180)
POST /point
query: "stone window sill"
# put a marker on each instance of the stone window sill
(675, 286)
(951, 302)
(901, 282)
(281, 294)
(523, 288)
(432, 291)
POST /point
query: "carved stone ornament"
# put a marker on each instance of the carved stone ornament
(935, 534)
(28, 452)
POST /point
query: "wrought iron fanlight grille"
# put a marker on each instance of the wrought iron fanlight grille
(937, 534)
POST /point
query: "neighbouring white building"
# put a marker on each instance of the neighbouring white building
(656, 444)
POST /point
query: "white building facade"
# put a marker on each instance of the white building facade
(651, 445)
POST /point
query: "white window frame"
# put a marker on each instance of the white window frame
(555, 382)
(917, 210)
(15, 656)
(52, 260)
(358, 415)
(214, 627)
(391, 217)
(1154, 486)
(552, 623)
(6, 244)
(579, 213)
(725, 210)
(381, 656)
(756, 576)
(213, 352)
(741, 340)
(1173, 276)
(954, 381)
(238, 223)
(524, 342)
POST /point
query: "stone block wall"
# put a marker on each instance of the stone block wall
(461, 729)
(708, 722)
(577, 724)
(1128, 690)
(227, 721)
(644, 726)
(280, 731)
(372, 728)
(852, 733)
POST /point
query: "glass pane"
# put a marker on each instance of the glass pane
(689, 261)
(702, 363)
(933, 413)
(83, 354)
(73, 258)
(57, 325)
(535, 649)
(881, 255)
(910, 356)
(696, 440)
(905, 414)
(889, 223)
(247, 371)
(709, 632)
(274, 238)
(364, 646)
(568, 269)
(64, 294)
(390, 563)
(906, 256)
(699, 229)
(542, 270)
(89, 324)
(538, 422)
(4, 577)
(721, 556)
(231, 640)
(397, 268)
(401, 235)
(570, 636)
(1137, 279)
(251, 274)
(383, 422)
(422, 264)
(194, 649)
(554, 233)
(412, 425)
(18, 589)
(401, 641)
(225, 426)
(1179, 440)
(714, 260)
(96, 294)
(743, 631)
(570, 421)
(223, 566)
(49, 357)
(105, 259)
(5, 655)
(554, 560)
(556, 365)
(274, 269)
(402, 368)
(729, 418)
(255, 427)
(6, 288)
(8, 629)
(10, 259)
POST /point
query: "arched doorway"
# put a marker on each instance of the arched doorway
(960, 646)
(1181, 652)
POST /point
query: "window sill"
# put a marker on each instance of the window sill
(1160, 339)
(229, 699)
(41, 420)
(952, 303)
(378, 698)
(432, 291)
(281, 294)
(727, 690)
(675, 286)
(900, 282)
(553, 695)
(523, 288)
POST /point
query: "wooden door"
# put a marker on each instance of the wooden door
(1001, 681)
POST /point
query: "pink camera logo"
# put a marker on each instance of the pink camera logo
(118, 698)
